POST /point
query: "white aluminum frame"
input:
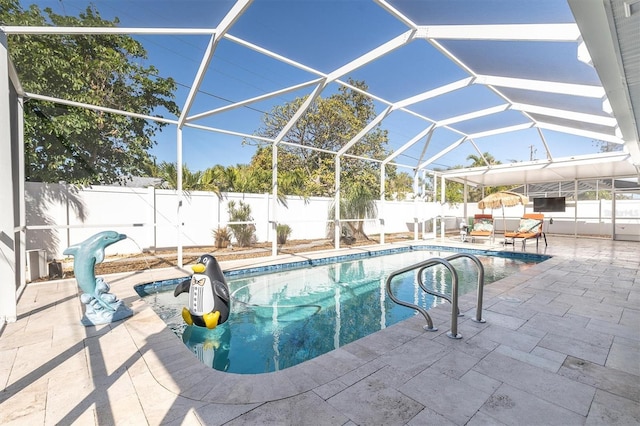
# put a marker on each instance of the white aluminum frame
(432, 34)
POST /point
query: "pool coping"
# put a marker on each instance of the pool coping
(284, 266)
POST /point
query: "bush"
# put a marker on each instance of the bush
(283, 231)
(222, 237)
(243, 233)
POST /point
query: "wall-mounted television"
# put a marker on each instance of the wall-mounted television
(549, 204)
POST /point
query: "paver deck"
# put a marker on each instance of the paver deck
(561, 345)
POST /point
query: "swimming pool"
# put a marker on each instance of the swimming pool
(282, 318)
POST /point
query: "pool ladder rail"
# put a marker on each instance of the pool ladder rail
(455, 311)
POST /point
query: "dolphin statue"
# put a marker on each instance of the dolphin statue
(86, 255)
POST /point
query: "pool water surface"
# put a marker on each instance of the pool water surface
(281, 319)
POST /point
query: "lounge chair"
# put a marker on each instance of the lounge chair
(482, 227)
(530, 227)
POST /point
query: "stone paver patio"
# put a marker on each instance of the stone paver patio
(561, 345)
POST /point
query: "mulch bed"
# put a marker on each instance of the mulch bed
(166, 258)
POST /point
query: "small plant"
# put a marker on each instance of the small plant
(283, 231)
(346, 237)
(244, 233)
(222, 237)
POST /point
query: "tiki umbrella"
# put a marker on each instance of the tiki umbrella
(502, 199)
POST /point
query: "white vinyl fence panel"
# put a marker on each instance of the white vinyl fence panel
(58, 217)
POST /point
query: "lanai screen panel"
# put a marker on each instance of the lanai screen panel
(447, 78)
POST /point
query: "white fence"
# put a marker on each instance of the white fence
(58, 217)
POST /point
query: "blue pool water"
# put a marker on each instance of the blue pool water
(280, 319)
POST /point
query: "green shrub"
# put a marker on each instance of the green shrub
(243, 233)
(283, 231)
(222, 237)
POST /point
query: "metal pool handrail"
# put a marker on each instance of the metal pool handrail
(426, 263)
(454, 290)
(479, 266)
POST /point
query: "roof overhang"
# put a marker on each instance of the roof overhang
(602, 166)
(611, 31)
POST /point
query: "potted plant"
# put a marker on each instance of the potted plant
(222, 237)
(283, 231)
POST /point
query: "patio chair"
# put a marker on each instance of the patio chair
(530, 227)
(482, 227)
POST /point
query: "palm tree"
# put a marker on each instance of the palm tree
(358, 203)
(291, 182)
(191, 181)
(169, 173)
(212, 179)
(478, 161)
(475, 194)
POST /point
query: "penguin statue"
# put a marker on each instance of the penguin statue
(208, 294)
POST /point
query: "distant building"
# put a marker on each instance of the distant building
(143, 182)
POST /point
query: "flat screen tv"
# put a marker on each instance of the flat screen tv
(549, 204)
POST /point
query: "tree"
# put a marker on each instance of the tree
(214, 179)
(328, 125)
(453, 191)
(604, 146)
(357, 204)
(478, 161)
(168, 172)
(77, 145)
(240, 179)
(398, 185)
(209, 180)
(290, 181)
(475, 194)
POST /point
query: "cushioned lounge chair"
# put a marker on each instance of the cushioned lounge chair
(530, 227)
(482, 227)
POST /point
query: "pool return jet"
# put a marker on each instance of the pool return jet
(208, 304)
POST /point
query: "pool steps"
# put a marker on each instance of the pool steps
(421, 267)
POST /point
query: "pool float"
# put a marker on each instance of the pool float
(208, 294)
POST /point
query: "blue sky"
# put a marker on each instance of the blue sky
(326, 34)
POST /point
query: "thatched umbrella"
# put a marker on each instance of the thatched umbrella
(502, 199)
